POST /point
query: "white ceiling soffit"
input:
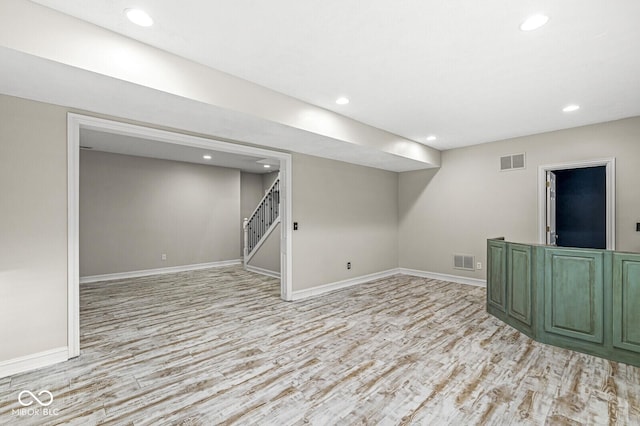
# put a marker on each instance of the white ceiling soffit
(139, 147)
(458, 69)
(55, 58)
(29, 77)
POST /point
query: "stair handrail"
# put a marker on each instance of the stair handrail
(266, 194)
(269, 219)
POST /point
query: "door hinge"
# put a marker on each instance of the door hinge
(548, 184)
(548, 229)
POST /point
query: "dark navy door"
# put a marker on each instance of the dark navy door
(581, 206)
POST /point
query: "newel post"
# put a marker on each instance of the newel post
(245, 226)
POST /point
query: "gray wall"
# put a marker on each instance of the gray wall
(267, 181)
(466, 201)
(134, 209)
(33, 227)
(345, 213)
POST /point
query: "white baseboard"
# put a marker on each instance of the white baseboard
(444, 277)
(262, 271)
(168, 270)
(314, 291)
(33, 362)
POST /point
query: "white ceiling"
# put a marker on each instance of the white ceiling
(458, 69)
(139, 147)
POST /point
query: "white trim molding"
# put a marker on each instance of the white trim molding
(443, 277)
(610, 164)
(75, 122)
(286, 228)
(33, 361)
(262, 271)
(73, 231)
(315, 291)
(158, 271)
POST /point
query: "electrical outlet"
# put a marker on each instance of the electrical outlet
(479, 265)
(163, 257)
(348, 265)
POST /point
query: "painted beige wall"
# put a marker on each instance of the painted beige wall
(345, 213)
(250, 195)
(33, 227)
(134, 209)
(268, 255)
(466, 201)
(267, 181)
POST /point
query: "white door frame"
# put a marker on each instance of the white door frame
(550, 230)
(75, 122)
(610, 164)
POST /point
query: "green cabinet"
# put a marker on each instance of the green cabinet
(626, 301)
(519, 288)
(574, 294)
(497, 274)
(580, 299)
(510, 292)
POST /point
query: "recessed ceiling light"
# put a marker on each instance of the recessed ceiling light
(139, 17)
(266, 166)
(342, 100)
(431, 138)
(534, 22)
(206, 157)
(571, 108)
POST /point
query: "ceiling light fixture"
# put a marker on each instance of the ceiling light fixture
(534, 22)
(139, 17)
(571, 108)
(431, 138)
(342, 100)
(206, 157)
(266, 166)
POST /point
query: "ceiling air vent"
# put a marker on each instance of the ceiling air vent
(463, 261)
(512, 162)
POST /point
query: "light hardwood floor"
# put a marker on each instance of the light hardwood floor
(220, 347)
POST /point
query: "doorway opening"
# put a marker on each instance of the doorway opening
(76, 123)
(577, 204)
(577, 208)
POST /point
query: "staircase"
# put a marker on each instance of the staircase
(262, 222)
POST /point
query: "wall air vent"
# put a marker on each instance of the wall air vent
(512, 162)
(463, 261)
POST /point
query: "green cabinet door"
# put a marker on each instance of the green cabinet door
(574, 298)
(626, 301)
(519, 289)
(497, 275)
